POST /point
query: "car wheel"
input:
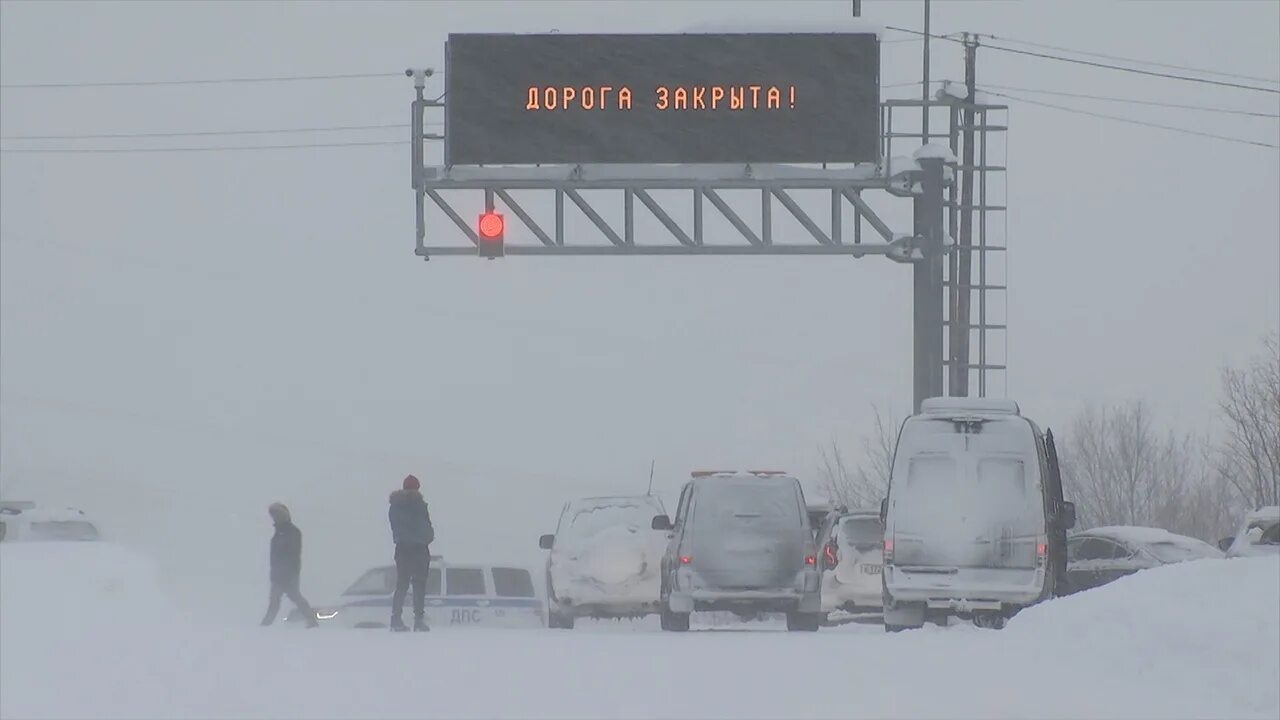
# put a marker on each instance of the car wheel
(803, 622)
(674, 621)
(989, 620)
(902, 616)
(558, 620)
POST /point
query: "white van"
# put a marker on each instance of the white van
(457, 596)
(975, 522)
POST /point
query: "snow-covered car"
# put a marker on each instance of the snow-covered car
(1100, 555)
(975, 522)
(741, 542)
(604, 559)
(457, 595)
(26, 521)
(852, 557)
(1259, 534)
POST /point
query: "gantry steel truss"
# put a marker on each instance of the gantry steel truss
(934, 244)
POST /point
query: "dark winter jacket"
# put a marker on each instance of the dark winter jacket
(286, 553)
(410, 520)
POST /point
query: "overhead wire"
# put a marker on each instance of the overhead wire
(206, 133)
(196, 81)
(1090, 63)
(1143, 123)
(213, 148)
(1135, 101)
(1152, 63)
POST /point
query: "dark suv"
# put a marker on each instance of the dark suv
(740, 542)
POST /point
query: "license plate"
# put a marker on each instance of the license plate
(871, 569)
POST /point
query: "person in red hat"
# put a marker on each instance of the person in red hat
(412, 533)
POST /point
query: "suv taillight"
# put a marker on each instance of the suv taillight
(831, 554)
(888, 551)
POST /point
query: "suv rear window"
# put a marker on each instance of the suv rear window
(862, 530)
(512, 582)
(464, 581)
(63, 530)
(748, 502)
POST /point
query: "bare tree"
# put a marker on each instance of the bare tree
(1249, 458)
(866, 483)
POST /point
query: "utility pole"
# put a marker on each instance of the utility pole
(928, 296)
(962, 282)
(924, 86)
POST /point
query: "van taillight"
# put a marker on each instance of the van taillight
(685, 559)
(1042, 549)
(888, 550)
(810, 560)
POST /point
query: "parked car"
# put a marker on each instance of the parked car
(457, 595)
(604, 559)
(1259, 534)
(975, 522)
(1101, 555)
(741, 542)
(851, 559)
(25, 521)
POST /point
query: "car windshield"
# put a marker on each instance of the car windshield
(588, 519)
(63, 530)
(861, 531)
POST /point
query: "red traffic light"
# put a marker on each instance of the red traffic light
(491, 226)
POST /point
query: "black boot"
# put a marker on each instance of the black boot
(420, 624)
(397, 624)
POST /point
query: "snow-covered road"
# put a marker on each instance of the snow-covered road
(86, 632)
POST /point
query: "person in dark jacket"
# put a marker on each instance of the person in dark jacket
(286, 566)
(412, 533)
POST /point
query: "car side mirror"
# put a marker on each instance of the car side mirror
(1068, 515)
(661, 522)
(1225, 543)
(546, 541)
(884, 509)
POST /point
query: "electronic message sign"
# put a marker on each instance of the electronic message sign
(696, 98)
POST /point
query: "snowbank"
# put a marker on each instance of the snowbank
(86, 632)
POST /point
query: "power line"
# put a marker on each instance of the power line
(218, 148)
(201, 81)
(1090, 63)
(1143, 123)
(1152, 63)
(1132, 101)
(204, 133)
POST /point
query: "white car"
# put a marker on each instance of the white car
(457, 595)
(605, 559)
(1101, 555)
(852, 557)
(1258, 535)
(25, 521)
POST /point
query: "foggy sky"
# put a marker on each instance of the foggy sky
(186, 337)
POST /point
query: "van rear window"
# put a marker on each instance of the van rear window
(464, 581)
(512, 582)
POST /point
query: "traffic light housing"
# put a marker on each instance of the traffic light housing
(491, 227)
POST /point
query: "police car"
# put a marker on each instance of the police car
(458, 595)
(25, 521)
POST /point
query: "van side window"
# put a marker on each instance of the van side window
(433, 581)
(512, 582)
(464, 581)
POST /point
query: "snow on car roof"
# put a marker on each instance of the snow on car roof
(1269, 512)
(54, 514)
(1142, 535)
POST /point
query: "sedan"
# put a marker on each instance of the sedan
(1101, 555)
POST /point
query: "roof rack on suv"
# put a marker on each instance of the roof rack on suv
(709, 473)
